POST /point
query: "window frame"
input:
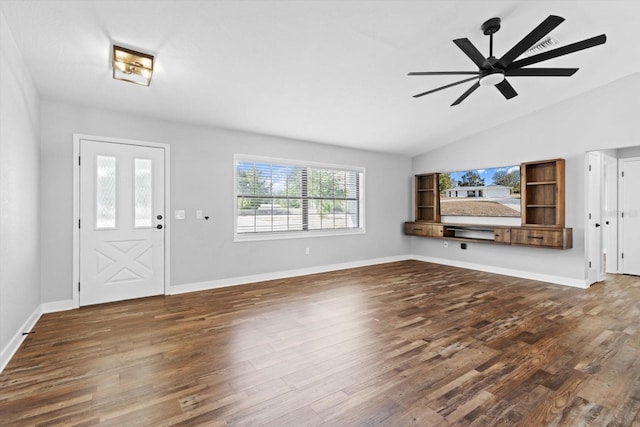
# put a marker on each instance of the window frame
(294, 234)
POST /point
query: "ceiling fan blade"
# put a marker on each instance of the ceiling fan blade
(564, 50)
(473, 53)
(539, 32)
(475, 86)
(444, 87)
(506, 89)
(442, 73)
(551, 72)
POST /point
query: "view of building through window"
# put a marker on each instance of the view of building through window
(280, 197)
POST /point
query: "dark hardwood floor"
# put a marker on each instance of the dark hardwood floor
(400, 344)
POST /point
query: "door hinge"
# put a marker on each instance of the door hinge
(589, 168)
(78, 286)
(589, 264)
(622, 214)
(623, 174)
(622, 255)
(78, 223)
(589, 216)
(78, 160)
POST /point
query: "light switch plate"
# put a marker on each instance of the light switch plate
(180, 214)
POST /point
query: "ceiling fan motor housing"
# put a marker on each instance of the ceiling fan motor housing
(491, 26)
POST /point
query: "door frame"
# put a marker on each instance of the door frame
(76, 207)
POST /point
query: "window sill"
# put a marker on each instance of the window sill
(252, 237)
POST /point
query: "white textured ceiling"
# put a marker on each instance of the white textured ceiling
(326, 71)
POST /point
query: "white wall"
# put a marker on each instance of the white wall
(202, 178)
(19, 187)
(625, 153)
(605, 118)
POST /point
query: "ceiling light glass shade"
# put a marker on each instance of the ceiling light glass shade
(132, 66)
(491, 79)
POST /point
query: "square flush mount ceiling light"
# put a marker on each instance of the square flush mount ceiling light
(132, 66)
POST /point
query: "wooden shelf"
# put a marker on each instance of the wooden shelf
(427, 199)
(542, 183)
(542, 198)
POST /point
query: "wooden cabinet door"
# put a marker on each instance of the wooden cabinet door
(502, 235)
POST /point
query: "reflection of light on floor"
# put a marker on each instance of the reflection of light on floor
(296, 340)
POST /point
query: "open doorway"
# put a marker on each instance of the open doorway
(606, 201)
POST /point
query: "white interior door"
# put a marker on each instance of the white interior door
(610, 226)
(122, 213)
(629, 225)
(595, 251)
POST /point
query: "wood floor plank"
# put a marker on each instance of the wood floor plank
(399, 344)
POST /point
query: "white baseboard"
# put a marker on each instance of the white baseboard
(13, 346)
(10, 349)
(243, 280)
(55, 306)
(559, 280)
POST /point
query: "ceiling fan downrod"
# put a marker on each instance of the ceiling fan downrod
(488, 29)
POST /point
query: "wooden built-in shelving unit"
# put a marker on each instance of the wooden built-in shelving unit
(542, 195)
(542, 211)
(427, 198)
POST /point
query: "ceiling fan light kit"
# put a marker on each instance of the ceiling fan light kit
(491, 79)
(493, 71)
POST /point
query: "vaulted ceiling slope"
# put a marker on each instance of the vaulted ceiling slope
(327, 71)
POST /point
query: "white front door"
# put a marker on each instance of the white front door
(122, 217)
(629, 215)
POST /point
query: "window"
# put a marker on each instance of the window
(105, 192)
(289, 199)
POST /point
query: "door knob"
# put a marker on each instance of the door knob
(159, 226)
(159, 217)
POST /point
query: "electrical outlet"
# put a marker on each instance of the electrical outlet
(445, 244)
(463, 246)
(180, 214)
(307, 251)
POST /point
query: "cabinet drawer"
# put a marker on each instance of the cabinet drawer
(502, 235)
(415, 229)
(423, 229)
(560, 238)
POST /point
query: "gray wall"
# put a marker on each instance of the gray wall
(19, 187)
(202, 178)
(605, 118)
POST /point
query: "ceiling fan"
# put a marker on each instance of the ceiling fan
(492, 71)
